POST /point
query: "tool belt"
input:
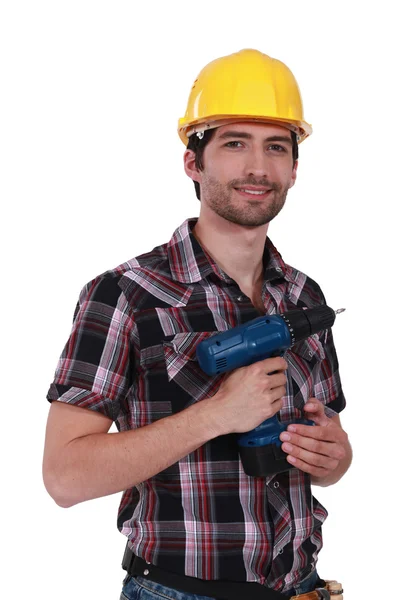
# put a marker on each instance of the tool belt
(221, 589)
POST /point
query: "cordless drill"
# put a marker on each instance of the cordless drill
(264, 337)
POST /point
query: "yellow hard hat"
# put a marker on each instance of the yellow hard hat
(247, 85)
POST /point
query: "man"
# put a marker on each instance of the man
(197, 525)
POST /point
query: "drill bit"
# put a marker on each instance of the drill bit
(339, 310)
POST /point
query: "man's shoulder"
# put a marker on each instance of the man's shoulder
(154, 259)
(311, 291)
(108, 286)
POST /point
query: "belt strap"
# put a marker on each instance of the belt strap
(221, 589)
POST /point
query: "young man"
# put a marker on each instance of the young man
(197, 525)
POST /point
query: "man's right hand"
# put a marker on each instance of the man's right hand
(249, 395)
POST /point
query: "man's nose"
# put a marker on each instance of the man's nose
(257, 164)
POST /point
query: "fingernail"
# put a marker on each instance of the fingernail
(287, 447)
(285, 437)
(292, 428)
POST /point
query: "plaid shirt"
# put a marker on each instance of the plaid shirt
(131, 356)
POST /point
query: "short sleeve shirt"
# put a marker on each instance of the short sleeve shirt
(131, 355)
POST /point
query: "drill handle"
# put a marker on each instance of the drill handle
(267, 432)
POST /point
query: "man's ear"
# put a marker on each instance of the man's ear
(189, 163)
(294, 174)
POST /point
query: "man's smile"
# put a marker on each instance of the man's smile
(253, 191)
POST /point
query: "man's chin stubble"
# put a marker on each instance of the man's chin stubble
(248, 218)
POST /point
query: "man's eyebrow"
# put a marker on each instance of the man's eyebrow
(237, 134)
(248, 136)
(279, 138)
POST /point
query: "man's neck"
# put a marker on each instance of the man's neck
(237, 250)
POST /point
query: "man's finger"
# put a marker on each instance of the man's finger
(315, 411)
(317, 432)
(313, 459)
(303, 466)
(294, 444)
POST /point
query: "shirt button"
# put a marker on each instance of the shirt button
(280, 551)
(276, 484)
(146, 572)
(241, 298)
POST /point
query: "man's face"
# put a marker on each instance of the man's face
(248, 170)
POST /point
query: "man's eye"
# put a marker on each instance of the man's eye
(277, 148)
(234, 144)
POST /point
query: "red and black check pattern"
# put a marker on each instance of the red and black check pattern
(131, 355)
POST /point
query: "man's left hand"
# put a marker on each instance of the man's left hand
(316, 449)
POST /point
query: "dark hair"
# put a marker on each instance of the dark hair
(197, 145)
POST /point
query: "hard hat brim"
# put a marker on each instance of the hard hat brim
(185, 130)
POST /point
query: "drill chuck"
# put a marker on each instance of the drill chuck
(303, 323)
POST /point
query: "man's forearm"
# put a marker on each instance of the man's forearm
(101, 464)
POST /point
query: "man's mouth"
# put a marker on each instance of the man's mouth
(253, 191)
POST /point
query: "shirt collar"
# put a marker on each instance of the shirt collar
(190, 263)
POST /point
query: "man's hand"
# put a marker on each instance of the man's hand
(248, 396)
(322, 450)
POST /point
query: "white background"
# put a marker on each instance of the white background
(91, 175)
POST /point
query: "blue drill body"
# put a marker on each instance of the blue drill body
(256, 340)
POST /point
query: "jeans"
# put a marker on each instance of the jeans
(140, 588)
(307, 585)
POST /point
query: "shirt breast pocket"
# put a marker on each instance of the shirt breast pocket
(172, 373)
(183, 369)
